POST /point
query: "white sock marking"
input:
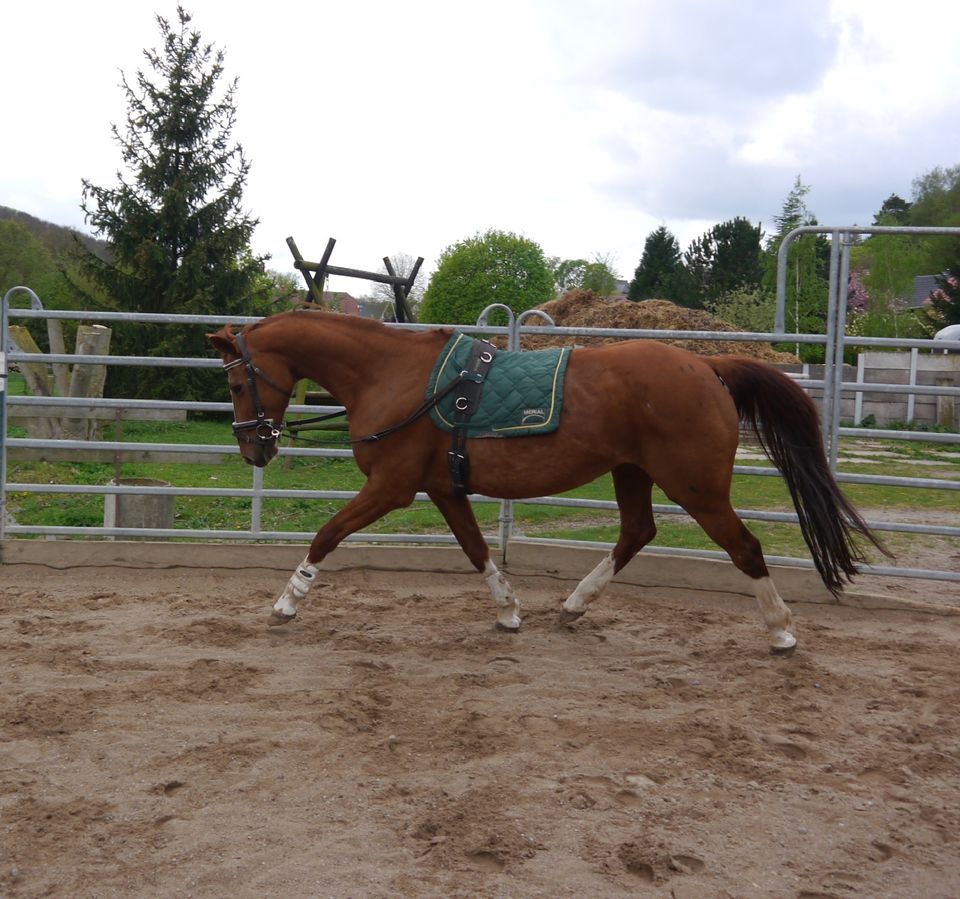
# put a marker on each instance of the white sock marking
(776, 616)
(508, 606)
(591, 586)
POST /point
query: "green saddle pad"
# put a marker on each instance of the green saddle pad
(522, 394)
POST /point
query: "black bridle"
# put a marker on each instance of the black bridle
(264, 430)
(266, 433)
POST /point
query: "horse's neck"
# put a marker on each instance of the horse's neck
(338, 352)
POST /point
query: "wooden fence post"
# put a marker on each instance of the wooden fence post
(75, 380)
(87, 380)
(37, 376)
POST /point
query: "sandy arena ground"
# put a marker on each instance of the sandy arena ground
(158, 739)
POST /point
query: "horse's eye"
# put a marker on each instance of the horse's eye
(236, 389)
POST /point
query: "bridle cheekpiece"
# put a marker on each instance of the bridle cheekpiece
(264, 430)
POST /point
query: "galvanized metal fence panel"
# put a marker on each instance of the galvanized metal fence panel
(832, 384)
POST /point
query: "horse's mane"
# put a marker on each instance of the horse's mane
(310, 311)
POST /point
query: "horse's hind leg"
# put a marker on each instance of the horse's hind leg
(633, 487)
(728, 531)
(459, 515)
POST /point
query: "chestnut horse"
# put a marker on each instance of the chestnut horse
(646, 411)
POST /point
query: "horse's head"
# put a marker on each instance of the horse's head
(260, 387)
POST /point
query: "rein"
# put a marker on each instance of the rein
(419, 412)
(265, 432)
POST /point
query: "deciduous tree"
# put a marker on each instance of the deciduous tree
(24, 260)
(936, 202)
(495, 267)
(751, 310)
(403, 264)
(597, 275)
(567, 273)
(945, 300)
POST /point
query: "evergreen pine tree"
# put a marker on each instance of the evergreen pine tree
(661, 274)
(725, 259)
(179, 238)
(894, 211)
(808, 262)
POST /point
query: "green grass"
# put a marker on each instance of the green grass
(16, 385)
(307, 515)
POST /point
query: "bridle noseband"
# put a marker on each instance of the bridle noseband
(264, 431)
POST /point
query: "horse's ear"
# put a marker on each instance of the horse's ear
(223, 341)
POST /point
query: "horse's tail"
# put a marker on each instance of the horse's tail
(787, 425)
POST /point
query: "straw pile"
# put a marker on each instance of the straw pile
(584, 309)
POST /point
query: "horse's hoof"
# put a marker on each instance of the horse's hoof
(782, 642)
(508, 629)
(278, 618)
(568, 617)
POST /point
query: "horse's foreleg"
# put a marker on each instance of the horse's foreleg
(458, 513)
(285, 608)
(371, 503)
(633, 488)
(508, 606)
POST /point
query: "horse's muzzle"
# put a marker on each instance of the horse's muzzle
(261, 457)
(258, 440)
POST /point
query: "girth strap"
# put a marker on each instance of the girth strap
(467, 401)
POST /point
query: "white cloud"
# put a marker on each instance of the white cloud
(406, 127)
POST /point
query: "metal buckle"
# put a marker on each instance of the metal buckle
(258, 426)
(461, 404)
(272, 432)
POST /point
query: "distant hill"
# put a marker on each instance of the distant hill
(57, 238)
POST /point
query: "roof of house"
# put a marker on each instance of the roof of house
(923, 286)
(337, 299)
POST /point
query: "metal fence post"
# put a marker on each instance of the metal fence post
(4, 349)
(4, 336)
(858, 401)
(836, 386)
(829, 360)
(912, 397)
(256, 504)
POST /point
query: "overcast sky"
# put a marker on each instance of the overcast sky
(407, 126)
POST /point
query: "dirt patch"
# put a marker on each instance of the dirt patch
(584, 309)
(159, 739)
